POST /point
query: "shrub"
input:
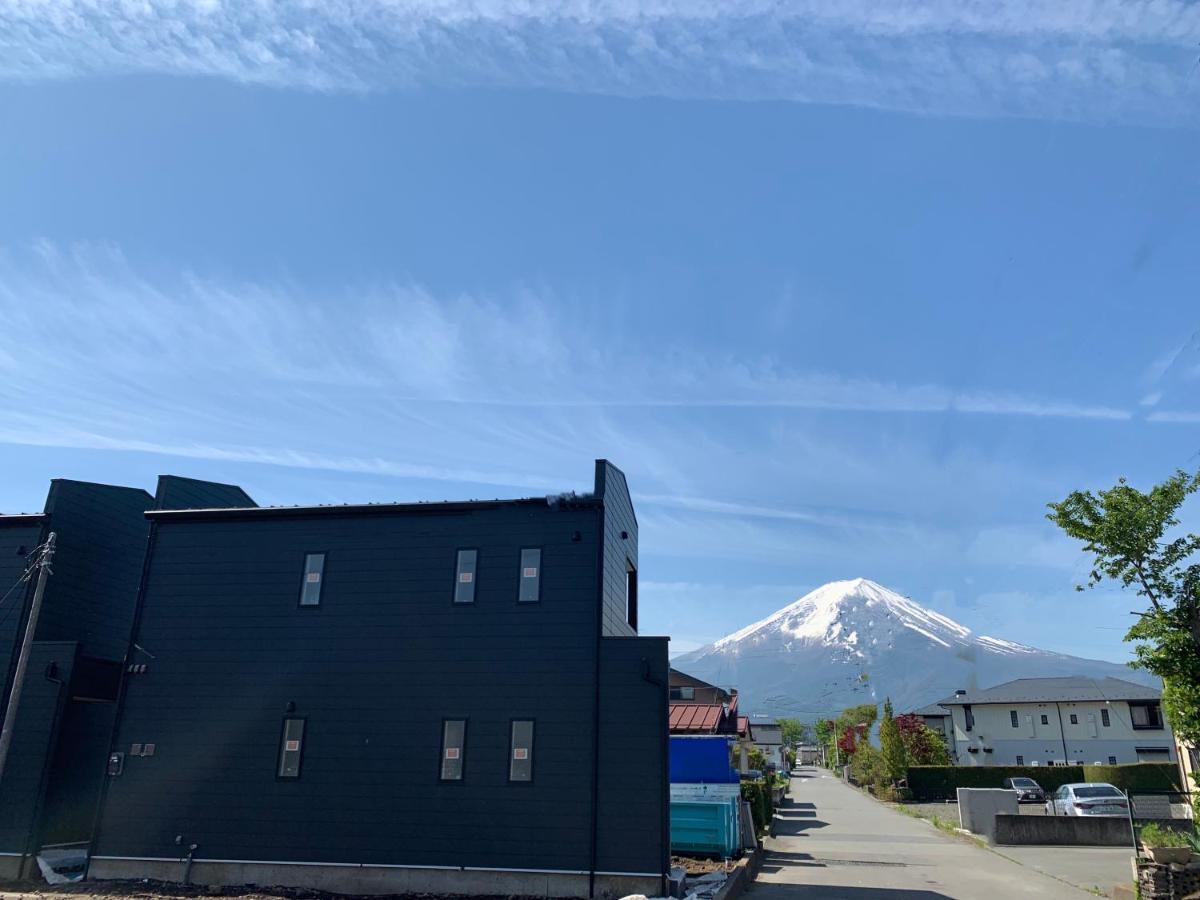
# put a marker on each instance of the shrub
(867, 767)
(931, 783)
(762, 808)
(1154, 835)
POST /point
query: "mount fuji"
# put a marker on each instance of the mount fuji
(852, 642)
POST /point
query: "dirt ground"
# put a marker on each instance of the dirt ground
(156, 890)
(696, 865)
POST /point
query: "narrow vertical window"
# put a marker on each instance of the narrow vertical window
(291, 748)
(1020, 760)
(631, 598)
(310, 584)
(1045, 720)
(520, 763)
(1012, 715)
(531, 576)
(969, 716)
(1104, 720)
(454, 742)
(1074, 719)
(464, 576)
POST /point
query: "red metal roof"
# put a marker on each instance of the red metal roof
(696, 718)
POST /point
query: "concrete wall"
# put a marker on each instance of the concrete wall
(369, 879)
(1088, 831)
(979, 807)
(1088, 740)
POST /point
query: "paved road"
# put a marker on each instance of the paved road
(835, 843)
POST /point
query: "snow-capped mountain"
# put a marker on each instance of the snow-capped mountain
(852, 642)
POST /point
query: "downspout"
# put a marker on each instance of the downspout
(122, 689)
(595, 837)
(1062, 734)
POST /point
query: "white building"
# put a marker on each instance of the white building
(1059, 721)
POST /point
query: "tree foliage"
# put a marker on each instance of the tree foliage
(1134, 541)
(867, 766)
(795, 731)
(922, 745)
(891, 746)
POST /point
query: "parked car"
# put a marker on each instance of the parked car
(1028, 790)
(1091, 799)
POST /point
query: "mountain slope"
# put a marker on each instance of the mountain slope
(852, 642)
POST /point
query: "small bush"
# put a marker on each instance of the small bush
(762, 807)
(1154, 835)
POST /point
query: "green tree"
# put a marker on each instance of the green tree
(922, 745)
(794, 731)
(891, 746)
(1134, 540)
(826, 730)
(867, 767)
(757, 759)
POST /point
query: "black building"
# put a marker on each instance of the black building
(445, 697)
(52, 780)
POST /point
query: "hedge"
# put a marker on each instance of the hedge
(931, 783)
(762, 807)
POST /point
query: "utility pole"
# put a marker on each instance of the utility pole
(14, 697)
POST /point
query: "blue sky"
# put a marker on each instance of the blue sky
(848, 289)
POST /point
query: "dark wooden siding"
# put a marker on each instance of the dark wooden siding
(101, 543)
(619, 552)
(633, 808)
(26, 770)
(176, 492)
(374, 669)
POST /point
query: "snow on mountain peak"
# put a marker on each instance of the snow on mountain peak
(850, 613)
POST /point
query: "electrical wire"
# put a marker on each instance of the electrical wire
(38, 553)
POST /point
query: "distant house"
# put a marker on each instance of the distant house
(768, 737)
(685, 688)
(1059, 721)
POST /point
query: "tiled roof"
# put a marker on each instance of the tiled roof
(743, 724)
(1050, 690)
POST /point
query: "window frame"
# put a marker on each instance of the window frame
(521, 574)
(280, 747)
(474, 582)
(1105, 718)
(324, 554)
(1154, 705)
(1020, 762)
(1014, 718)
(968, 717)
(1073, 718)
(532, 749)
(462, 751)
(631, 594)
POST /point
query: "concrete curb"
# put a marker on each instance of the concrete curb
(741, 877)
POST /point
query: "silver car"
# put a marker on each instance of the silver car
(1090, 799)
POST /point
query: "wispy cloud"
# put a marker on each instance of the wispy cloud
(1089, 59)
